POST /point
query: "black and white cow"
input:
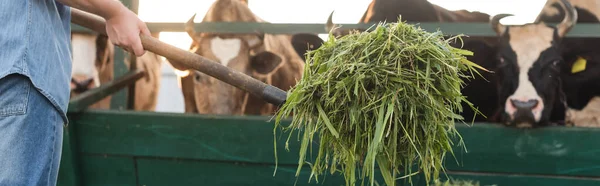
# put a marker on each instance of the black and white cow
(581, 66)
(534, 69)
(479, 91)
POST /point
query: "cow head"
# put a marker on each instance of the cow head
(269, 58)
(244, 53)
(91, 59)
(92, 65)
(529, 68)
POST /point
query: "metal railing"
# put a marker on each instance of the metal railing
(469, 29)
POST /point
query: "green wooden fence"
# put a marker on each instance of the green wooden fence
(117, 147)
(145, 148)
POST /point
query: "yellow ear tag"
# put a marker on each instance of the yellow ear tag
(579, 65)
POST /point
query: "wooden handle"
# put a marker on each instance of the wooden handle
(190, 60)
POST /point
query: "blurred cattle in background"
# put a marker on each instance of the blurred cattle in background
(275, 59)
(580, 65)
(93, 61)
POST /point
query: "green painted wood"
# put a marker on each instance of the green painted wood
(247, 139)
(470, 29)
(119, 99)
(556, 150)
(69, 173)
(528, 180)
(186, 172)
(108, 171)
(491, 148)
(80, 29)
(130, 4)
(84, 100)
(131, 88)
(134, 5)
(132, 65)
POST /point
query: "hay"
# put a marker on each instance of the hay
(388, 97)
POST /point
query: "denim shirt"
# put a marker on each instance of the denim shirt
(35, 40)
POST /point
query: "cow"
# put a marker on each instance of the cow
(535, 69)
(481, 90)
(413, 11)
(589, 116)
(273, 59)
(93, 66)
(581, 62)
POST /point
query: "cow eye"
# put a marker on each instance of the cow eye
(197, 76)
(555, 65)
(501, 62)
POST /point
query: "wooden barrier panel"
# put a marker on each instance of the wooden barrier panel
(120, 147)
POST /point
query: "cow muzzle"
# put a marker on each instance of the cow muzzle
(80, 84)
(523, 112)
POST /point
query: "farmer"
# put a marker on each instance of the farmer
(35, 67)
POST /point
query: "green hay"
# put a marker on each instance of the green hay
(385, 98)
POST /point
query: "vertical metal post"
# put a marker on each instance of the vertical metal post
(132, 64)
(119, 99)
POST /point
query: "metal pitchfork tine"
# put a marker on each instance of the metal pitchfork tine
(242, 81)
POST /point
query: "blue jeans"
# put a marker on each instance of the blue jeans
(31, 134)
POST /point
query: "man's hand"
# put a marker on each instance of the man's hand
(123, 27)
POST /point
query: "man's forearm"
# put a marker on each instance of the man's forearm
(123, 27)
(103, 8)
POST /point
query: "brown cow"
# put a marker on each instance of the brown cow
(146, 89)
(270, 58)
(93, 66)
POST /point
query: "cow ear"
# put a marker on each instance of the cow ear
(256, 40)
(104, 52)
(303, 43)
(265, 62)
